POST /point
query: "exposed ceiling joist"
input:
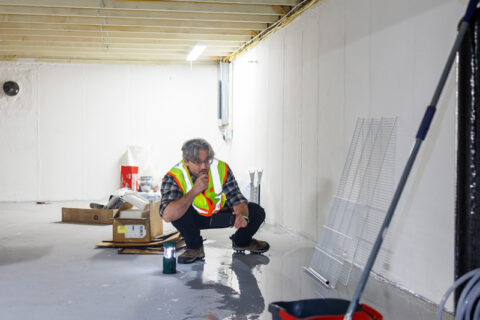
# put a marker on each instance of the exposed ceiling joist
(57, 40)
(265, 2)
(131, 31)
(179, 6)
(112, 22)
(136, 14)
(150, 36)
(97, 45)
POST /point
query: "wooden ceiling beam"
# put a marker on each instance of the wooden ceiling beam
(130, 31)
(150, 5)
(113, 46)
(95, 55)
(256, 2)
(127, 36)
(212, 61)
(73, 27)
(33, 52)
(53, 40)
(136, 14)
(128, 22)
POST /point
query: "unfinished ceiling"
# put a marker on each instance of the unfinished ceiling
(132, 31)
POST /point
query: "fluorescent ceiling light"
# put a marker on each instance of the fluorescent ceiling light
(196, 51)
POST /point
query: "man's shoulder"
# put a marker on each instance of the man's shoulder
(168, 175)
(168, 179)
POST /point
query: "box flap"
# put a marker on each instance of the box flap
(156, 222)
(87, 215)
(132, 214)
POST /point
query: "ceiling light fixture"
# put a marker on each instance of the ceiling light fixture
(196, 51)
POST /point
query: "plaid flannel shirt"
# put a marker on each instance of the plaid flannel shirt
(171, 191)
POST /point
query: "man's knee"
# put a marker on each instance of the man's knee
(186, 221)
(257, 212)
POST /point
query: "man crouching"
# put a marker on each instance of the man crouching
(201, 192)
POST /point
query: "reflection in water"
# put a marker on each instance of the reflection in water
(245, 303)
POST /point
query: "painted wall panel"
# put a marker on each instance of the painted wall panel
(308, 125)
(331, 101)
(105, 132)
(423, 218)
(292, 163)
(274, 179)
(370, 58)
(71, 124)
(358, 63)
(18, 138)
(61, 135)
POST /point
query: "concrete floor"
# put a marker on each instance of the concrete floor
(52, 270)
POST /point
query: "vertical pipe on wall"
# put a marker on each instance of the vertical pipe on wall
(467, 216)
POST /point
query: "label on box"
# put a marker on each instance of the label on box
(135, 231)
(122, 229)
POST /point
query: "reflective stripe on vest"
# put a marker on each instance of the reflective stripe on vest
(204, 204)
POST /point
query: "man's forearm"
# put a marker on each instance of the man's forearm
(176, 209)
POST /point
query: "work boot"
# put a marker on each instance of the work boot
(256, 246)
(191, 255)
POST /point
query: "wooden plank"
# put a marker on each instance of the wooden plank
(95, 55)
(139, 14)
(170, 61)
(167, 234)
(179, 245)
(125, 22)
(261, 2)
(127, 43)
(26, 47)
(114, 46)
(150, 5)
(153, 245)
(146, 251)
(127, 36)
(54, 3)
(193, 7)
(72, 27)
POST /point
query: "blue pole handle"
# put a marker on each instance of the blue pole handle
(472, 5)
(426, 121)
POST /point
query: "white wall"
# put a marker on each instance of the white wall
(63, 136)
(298, 94)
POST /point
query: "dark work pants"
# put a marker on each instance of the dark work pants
(191, 223)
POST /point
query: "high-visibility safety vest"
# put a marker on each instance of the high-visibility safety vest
(212, 199)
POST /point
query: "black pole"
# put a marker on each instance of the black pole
(467, 211)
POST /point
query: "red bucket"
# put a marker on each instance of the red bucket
(129, 177)
(320, 309)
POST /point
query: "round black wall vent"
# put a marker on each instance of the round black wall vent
(11, 88)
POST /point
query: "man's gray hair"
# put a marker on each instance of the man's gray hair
(191, 147)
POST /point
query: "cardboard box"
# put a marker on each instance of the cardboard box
(87, 215)
(138, 226)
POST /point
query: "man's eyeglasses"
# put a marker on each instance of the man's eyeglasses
(199, 163)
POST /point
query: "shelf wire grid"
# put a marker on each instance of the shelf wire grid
(359, 205)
